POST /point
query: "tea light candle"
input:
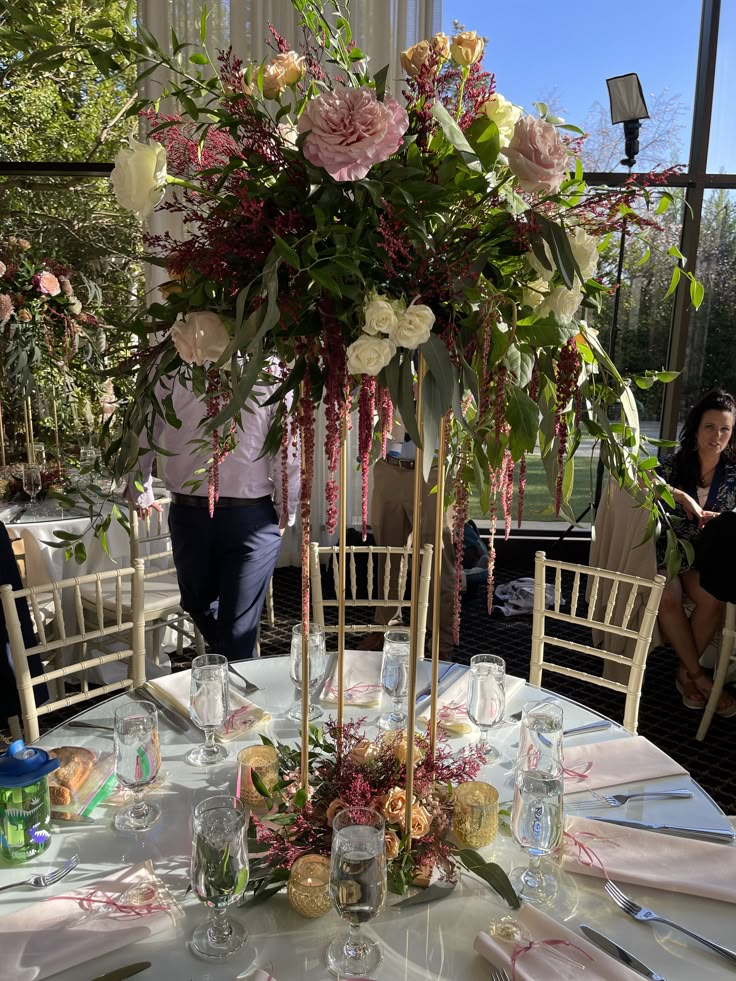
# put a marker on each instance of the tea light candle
(263, 760)
(475, 821)
(309, 886)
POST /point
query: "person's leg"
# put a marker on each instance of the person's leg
(247, 547)
(705, 620)
(391, 506)
(192, 536)
(447, 575)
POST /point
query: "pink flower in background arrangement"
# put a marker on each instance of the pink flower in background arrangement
(349, 130)
(537, 155)
(3, 269)
(46, 283)
(6, 307)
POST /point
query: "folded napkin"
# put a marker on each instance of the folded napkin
(551, 962)
(173, 689)
(617, 761)
(645, 858)
(361, 678)
(452, 714)
(79, 924)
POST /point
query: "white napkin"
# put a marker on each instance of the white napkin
(361, 678)
(173, 689)
(617, 761)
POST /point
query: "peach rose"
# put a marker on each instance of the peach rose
(25, 316)
(392, 842)
(415, 58)
(420, 820)
(467, 48)
(537, 156)
(441, 45)
(334, 809)
(397, 743)
(393, 805)
(362, 752)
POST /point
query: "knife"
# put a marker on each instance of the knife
(707, 834)
(428, 687)
(123, 972)
(619, 953)
(71, 816)
(443, 683)
(81, 724)
(18, 514)
(173, 718)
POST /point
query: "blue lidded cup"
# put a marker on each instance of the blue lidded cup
(25, 811)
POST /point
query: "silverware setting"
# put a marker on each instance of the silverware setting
(145, 691)
(644, 915)
(619, 953)
(120, 973)
(249, 686)
(722, 835)
(498, 974)
(81, 724)
(41, 881)
(618, 800)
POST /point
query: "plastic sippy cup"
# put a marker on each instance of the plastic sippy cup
(24, 801)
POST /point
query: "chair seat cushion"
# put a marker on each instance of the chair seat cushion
(159, 595)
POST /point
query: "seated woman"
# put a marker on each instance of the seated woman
(702, 478)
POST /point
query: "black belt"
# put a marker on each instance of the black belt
(397, 461)
(196, 501)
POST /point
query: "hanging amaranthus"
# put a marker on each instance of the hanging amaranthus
(366, 408)
(217, 399)
(568, 370)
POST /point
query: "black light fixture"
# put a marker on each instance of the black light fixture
(628, 107)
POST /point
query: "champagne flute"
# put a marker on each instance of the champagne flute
(137, 762)
(487, 697)
(208, 706)
(32, 482)
(540, 732)
(395, 677)
(536, 824)
(219, 872)
(357, 888)
(317, 655)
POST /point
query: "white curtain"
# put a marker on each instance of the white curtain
(381, 28)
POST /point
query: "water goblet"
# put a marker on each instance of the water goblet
(487, 697)
(540, 731)
(208, 706)
(358, 889)
(137, 762)
(395, 677)
(39, 454)
(32, 482)
(219, 872)
(317, 655)
(536, 824)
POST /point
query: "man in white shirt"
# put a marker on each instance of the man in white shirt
(225, 562)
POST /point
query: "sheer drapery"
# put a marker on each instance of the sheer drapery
(381, 28)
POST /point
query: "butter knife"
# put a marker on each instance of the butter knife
(724, 835)
(120, 973)
(71, 817)
(620, 953)
(441, 677)
(173, 718)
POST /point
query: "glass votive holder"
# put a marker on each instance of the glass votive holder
(475, 820)
(309, 886)
(262, 760)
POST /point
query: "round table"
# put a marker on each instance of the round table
(432, 941)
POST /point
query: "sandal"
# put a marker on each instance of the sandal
(695, 697)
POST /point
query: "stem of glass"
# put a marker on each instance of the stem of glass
(355, 946)
(533, 874)
(139, 808)
(209, 748)
(219, 930)
(398, 705)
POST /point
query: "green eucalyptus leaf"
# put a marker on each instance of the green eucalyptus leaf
(491, 873)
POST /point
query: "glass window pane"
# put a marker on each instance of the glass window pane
(721, 148)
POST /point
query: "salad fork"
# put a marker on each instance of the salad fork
(498, 974)
(617, 800)
(644, 915)
(41, 881)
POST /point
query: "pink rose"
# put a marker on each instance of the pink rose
(537, 155)
(47, 283)
(200, 337)
(6, 308)
(3, 268)
(349, 130)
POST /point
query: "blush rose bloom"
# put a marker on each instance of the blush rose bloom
(139, 177)
(504, 114)
(420, 821)
(46, 283)
(334, 809)
(413, 327)
(537, 156)
(369, 355)
(441, 45)
(200, 337)
(349, 130)
(393, 805)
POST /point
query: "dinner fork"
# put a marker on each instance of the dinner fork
(249, 686)
(644, 915)
(498, 974)
(617, 800)
(41, 881)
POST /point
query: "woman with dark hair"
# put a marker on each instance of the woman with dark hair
(701, 477)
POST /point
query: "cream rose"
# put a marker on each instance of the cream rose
(200, 337)
(585, 249)
(534, 293)
(537, 156)
(283, 70)
(75, 307)
(334, 809)
(562, 303)
(413, 327)
(420, 821)
(362, 752)
(415, 58)
(139, 177)
(369, 355)
(466, 48)
(504, 114)
(441, 45)
(392, 843)
(380, 316)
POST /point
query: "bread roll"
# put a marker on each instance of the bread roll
(75, 765)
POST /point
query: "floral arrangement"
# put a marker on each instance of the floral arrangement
(364, 773)
(11, 481)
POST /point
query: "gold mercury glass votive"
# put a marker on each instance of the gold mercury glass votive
(475, 820)
(309, 886)
(264, 760)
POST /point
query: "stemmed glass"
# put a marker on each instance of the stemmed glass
(487, 697)
(540, 732)
(219, 872)
(357, 888)
(137, 762)
(208, 706)
(317, 667)
(32, 482)
(536, 824)
(395, 677)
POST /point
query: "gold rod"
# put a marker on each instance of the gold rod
(341, 558)
(439, 527)
(25, 421)
(32, 458)
(56, 426)
(305, 534)
(2, 437)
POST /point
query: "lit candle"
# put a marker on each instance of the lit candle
(309, 886)
(263, 761)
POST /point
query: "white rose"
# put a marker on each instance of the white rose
(585, 249)
(139, 176)
(534, 293)
(562, 303)
(380, 316)
(545, 272)
(75, 307)
(504, 114)
(200, 337)
(369, 355)
(414, 326)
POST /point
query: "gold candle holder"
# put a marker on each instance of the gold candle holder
(309, 886)
(264, 761)
(475, 820)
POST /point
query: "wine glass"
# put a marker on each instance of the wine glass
(357, 888)
(395, 677)
(208, 706)
(536, 824)
(39, 454)
(32, 482)
(540, 732)
(219, 872)
(137, 762)
(487, 697)
(317, 667)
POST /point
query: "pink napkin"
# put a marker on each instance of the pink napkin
(361, 677)
(617, 761)
(79, 924)
(452, 703)
(546, 962)
(698, 868)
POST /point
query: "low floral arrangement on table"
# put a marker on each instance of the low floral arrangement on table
(366, 773)
(53, 481)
